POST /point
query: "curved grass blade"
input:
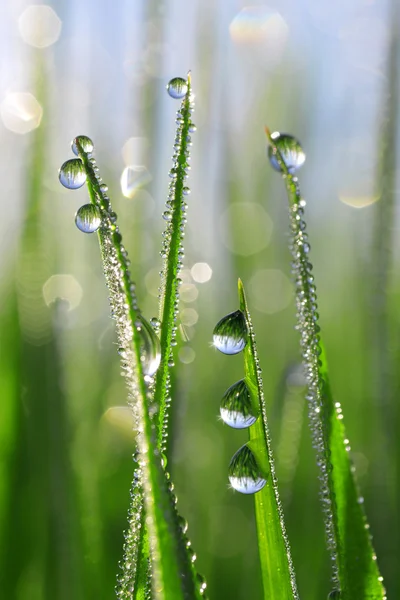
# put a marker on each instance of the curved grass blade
(355, 573)
(172, 251)
(171, 567)
(277, 569)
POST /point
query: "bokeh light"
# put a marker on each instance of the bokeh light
(21, 112)
(63, 287)
(245, 228)
(133, 178)
(39, 26)
(270, 290)
(201, 272)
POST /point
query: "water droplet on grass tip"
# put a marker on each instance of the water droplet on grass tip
(177, 88)
(236, 409)
(72, 174)
(230, 333)
(150, 350)
(334, 595)
(88, 218)
(244, 474)
(84, 142)
(290, 149)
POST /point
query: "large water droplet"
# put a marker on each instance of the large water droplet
(290, 149)
(88, 218)
(177, 88)
(84, 142)
(244, 474)
(151, 349)
(334, 595)
(236, 408)
(230, 333)
(72, 174)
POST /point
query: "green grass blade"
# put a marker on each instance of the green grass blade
(172, 252)
(354, 569)
(277, 569)
(172, 574)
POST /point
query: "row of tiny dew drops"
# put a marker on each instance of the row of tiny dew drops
(177, 88)
(293, 156)
(99, 216)
(175, 218)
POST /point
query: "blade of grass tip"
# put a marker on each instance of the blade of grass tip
(278, 576)
(172, 251)
(355, 573)
(139, 350)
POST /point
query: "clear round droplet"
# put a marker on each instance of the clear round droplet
(88, 218)
(334, 595)
(244, 474)
(84, 142)
(72, 174)
(230, 333)
(290, 149)
(150, 354)
(236, 409)
(177, 88)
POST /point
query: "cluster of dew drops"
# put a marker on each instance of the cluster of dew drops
(230, 336)
(89, 218)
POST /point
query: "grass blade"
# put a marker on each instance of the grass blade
(277, 569)
(172, 252)
(355, 573)
(171, 567)
(252, 470)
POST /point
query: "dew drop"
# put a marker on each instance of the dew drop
(334, 595)
(290, 149)
(150, 350)
(230, 333)
(155, 323)
(236, 409)
(244, 474)
(84, 142)
(177, 88)
(88, 218)
(183, 525)
(72, 174)
(202, 585)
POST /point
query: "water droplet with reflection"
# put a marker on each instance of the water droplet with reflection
(72, 174)
(244, 475)
(150, 349)
(88, 218)
(236, 408)
(177, 88)
(84, 142)
(230, 333)
(290, 150)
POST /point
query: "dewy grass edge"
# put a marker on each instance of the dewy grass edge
(278, 576)
(172, 574)
(355, 572)
(172, 253)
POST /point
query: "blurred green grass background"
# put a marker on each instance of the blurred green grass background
(327, 74)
